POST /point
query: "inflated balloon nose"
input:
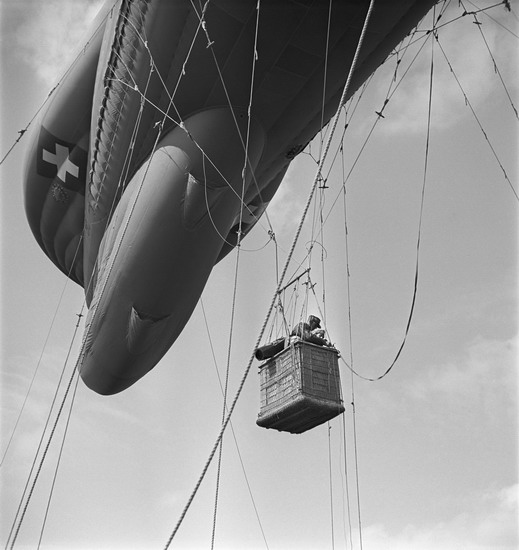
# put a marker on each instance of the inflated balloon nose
(161, 245)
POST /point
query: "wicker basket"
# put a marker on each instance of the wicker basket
(300, 388)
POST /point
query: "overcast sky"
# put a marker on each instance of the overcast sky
(436, 438)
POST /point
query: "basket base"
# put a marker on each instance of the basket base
(300, 415)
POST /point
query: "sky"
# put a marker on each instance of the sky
(435, 440)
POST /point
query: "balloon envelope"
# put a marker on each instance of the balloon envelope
(168, 136)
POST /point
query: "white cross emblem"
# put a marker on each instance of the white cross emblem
(62, 162)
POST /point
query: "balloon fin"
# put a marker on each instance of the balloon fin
(143, 331)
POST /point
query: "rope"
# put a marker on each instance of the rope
(357, 485)
(233, 308)
(330, 481)
(41, 354)
(345, 481)
(274, 297)
(417, 262)
(210, 44)
(58, 462)
(224, 408)
(42, 460)
(117, 246)
(496, 69)
(469, 104)
(47, 420)
(232, 427)
(350, 336)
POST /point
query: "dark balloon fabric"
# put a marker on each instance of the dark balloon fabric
(137, 166)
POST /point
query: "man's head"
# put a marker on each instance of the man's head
(314, 322)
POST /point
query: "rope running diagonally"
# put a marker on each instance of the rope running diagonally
(232, 428)
(65, 431)
(49, 440)
(274, 298)
(238, 250)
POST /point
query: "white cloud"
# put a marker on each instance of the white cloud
(487, 371)
(51, 32)
(487, 522)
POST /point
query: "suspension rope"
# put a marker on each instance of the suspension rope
(210, 44)
(238, 247)
(352, 381)
(232, 427)
(417, 261)
(330, 481)
(508, 7)
(285, 268)
(224, 407)
(485, 135)
(390, 93)
(50, 410)
(58, 462)
(51, 435)
(42, 352)
(346, 484)
(496, 68)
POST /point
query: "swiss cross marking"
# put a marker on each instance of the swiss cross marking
(62, 161)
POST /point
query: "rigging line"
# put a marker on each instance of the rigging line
(20, 521)
(231, 425)
(501, 24)
(330, 482)
(183, 71)
(120, 186)
(45, 427)
(355, 447)
(43, 349)
(227, 369)
(21, 132)
(208, 208)
(345, 481)
(368, 137)
(117, 246)
(123, 177)
(249, 109)
(292, 281)
(112, 68)
(322, 313)
(496, 69)
(325, 75)
(210, 44)
(51, 435)
(479, 10)
(469, 104)
(181, 125)
(285, 269)
(115, 252)
(422, 201)
(323, 274)
(58, 462)
(352, 381)
(389, 95)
